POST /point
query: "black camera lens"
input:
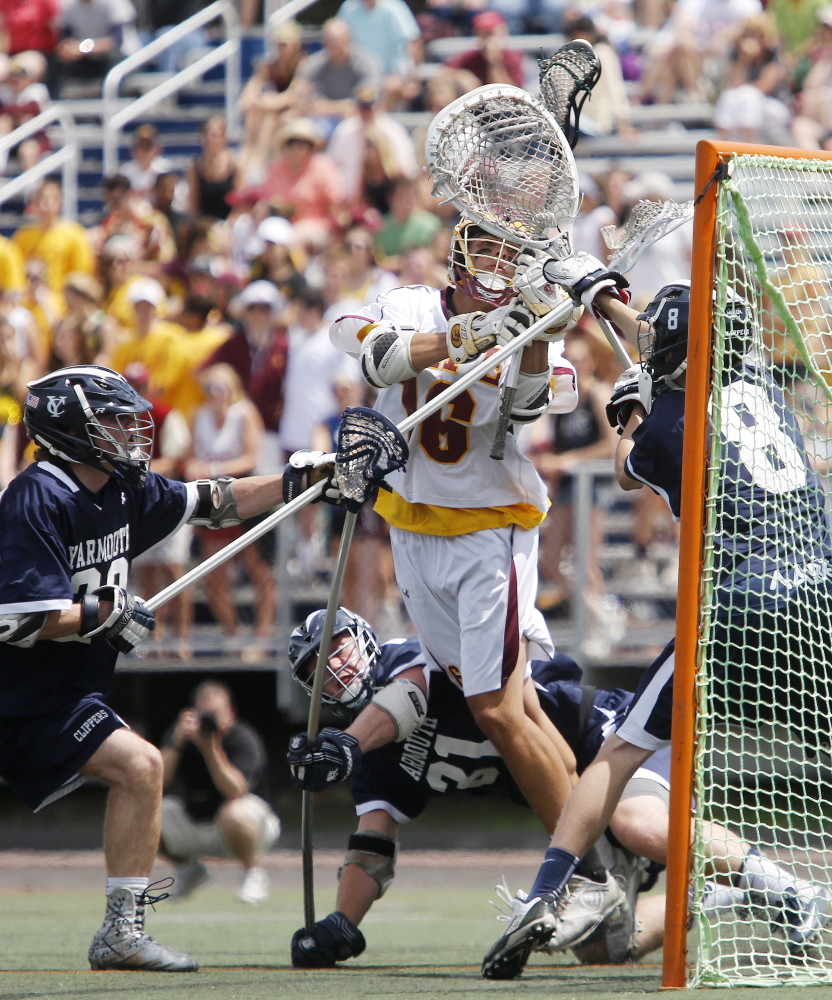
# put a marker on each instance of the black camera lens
(207, 724)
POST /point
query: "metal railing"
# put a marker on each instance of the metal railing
(65, 159)
(115, 117)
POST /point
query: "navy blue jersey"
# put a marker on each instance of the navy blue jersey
(771, 529)
(449, 752)
(58, 541)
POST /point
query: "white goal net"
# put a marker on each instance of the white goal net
(764, 683)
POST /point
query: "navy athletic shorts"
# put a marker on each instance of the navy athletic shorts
(40, 755)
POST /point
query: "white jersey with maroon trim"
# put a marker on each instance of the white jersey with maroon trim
(449, 464)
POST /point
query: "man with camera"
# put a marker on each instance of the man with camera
(218, 764)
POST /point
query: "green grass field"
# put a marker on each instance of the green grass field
(422, 941)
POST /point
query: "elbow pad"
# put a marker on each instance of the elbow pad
(22, 629)
(215, 505)
(532, 398)
(406, 704)
(565, 391)
(385, 355)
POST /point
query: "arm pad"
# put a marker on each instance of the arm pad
(22, 629)
(406, 704)
(215, 505)
(532, 398)
(385, 355)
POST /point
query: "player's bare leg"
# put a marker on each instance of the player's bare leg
(357, 891)
(530, 753)
(132, 769)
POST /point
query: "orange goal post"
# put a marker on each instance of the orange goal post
(763, 232)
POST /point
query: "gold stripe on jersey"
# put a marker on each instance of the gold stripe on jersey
(427, 519)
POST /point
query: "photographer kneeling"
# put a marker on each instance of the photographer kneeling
(218, 763)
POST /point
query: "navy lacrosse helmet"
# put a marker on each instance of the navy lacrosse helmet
(663, 332)
(481, 275)
(359, 650)
(64, 410)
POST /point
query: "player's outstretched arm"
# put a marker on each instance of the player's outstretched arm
(397, 710)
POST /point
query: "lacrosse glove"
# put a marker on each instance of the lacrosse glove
(331, 757)
(129, 623)
(305, 468)
(584, 276)
(333, 939)
(541, 296)
(633, 386)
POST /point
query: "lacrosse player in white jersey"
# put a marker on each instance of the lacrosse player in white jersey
(463, 526)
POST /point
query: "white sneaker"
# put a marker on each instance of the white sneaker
(530, 923)
(583, 905)
(255, 887)
(807, 913)
(187, 879)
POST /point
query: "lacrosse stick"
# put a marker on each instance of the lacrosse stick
(370, 456)
(566, 81)
(500, 157)
(369, 447)
(649, 221)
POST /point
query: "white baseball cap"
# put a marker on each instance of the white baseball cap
(276, 229)
(146, 290)
(262, 293)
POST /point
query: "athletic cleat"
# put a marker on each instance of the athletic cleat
(187, 879)
(807, 912)
(255, 887)
(583, 905)
(121, 943)
(530, 923)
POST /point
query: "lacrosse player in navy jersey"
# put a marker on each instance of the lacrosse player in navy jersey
(751, 545)
(398, 764)
(69, 526)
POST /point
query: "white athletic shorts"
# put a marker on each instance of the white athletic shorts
(184, 837)
(471, 598)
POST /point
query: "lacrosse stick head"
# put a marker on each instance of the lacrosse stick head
(566, 81)
(349, 670)
(369, 447)
(500, 157)
(649, 221)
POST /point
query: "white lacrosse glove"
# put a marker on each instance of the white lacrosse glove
(584, 276)
(306, 468)
(468, 336)
(541, 296)
(635, 385)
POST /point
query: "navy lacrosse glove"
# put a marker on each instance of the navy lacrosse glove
(333, 939)
(331, 757)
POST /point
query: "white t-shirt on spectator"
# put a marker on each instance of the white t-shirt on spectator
(348, 142)
(313, 364)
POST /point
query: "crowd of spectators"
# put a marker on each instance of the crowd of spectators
(212, 286)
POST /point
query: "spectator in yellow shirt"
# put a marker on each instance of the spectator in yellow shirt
(201, 338)
(156, 341)
(12, 272)
(62, 245)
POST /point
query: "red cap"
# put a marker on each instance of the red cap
(487, 20)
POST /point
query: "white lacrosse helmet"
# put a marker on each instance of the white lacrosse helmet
(484, 280)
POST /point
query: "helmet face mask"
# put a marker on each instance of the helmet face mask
(355, 649)
(481, 265)
(663, 334)
(90, 415)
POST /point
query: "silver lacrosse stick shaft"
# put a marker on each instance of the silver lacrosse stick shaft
(469, 378)
(231, 550)
(614, 341)
(315, 713)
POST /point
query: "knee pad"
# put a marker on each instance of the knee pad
(375, 854)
